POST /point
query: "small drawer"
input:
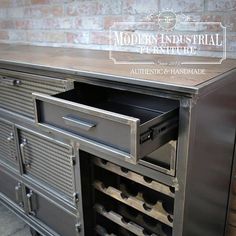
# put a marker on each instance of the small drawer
(16, 90)
(130, 124)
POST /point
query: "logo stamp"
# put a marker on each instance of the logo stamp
(168, 33)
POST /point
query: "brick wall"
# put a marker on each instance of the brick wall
(85, 23)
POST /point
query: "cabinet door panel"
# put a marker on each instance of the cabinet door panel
(51, 215)
(11, 188)
(49, 162)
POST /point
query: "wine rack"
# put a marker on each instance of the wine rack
(128, 203)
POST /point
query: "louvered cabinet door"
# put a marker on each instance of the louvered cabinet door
(16, 90)
(49, 163)
(8, 154)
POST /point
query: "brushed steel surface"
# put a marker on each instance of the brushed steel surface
(52, 216)
(209, 161)
(8, 187)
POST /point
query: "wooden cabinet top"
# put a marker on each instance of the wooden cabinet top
(96, 63)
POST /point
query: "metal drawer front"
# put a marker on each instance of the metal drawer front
(48, 161)
(128, 124)
(16, 91)
(7, 144)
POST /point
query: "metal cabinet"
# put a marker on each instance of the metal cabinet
(101, 153)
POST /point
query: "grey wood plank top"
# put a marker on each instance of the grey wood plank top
(98, 62)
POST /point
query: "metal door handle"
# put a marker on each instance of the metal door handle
(18, 191)
(22, 146)
(76, 122)
(9, 81)
(29, 202)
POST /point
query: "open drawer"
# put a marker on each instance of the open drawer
(129, 124)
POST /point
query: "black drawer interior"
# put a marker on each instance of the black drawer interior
(143, 107)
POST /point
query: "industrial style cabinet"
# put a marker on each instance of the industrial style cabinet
(89, 149)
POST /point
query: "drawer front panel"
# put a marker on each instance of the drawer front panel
(16, 91)
(7, 145)
(50, 215)
(105, 131)
(48, 161)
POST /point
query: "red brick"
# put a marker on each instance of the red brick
(6, 24)
(44, 11)
(140, 6)
(5, 3)
(109, 21)
(3, 13)
(107, 7)
(19, 3)
(34, 36)
(4, 35)
(82, 8)
(46, 36)
(88, 23)
(231, 43)
(59, 23)
(230, 21)
(211, 27)
(54, 37)
(78, 37)
(221, 5)
(19, 36)
(22, 24)
(100, 38)
(182, 5)
(16, 12)
(39, 1)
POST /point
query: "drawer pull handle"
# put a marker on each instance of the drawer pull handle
(18, 191)
(22, 146)
(30, 201)
(9, 81)
(75, 122)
